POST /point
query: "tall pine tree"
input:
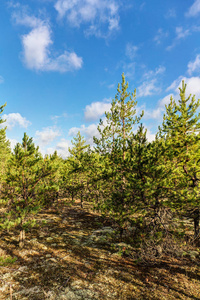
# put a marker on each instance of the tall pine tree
(4, 148)
(181, 131)
(115, 132)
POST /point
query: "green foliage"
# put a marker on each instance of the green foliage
(49, 188)
(26, 170)
(4, 147)
(125, 176)
(181, 132)
(113, 146)
(4, 261)
(76, 168)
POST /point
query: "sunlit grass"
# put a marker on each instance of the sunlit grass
(7, 260)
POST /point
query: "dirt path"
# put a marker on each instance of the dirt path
(69, 255)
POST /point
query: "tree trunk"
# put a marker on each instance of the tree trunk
(196, 222)
(21, 238)
(72, 194)
(81, 199)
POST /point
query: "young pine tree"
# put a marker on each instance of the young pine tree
(115, 132)
(26, 169)
(4, 148)
(181, 131)
(78, 165)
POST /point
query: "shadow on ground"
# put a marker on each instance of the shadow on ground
(66, 256)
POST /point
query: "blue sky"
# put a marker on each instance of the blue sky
(61, 61)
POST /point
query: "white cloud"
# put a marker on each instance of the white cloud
(111, 86)
(93, 12)
(180, 34)
(193, 86)
(196, 28)
(153, 113)
(150, 85)
(13, 143)
(164, 101)
(150, 136)
(160, 36)
(22, 18)
(148, 88)
(131, 50)
(87, 131)
(66, 62)
(194, 66)
(37, 46)
(157, 112)
(129, 69)
(15, 119)
(174, 84)
(96, 109)
(47, 135)
(37, 54)
(113, 24)
(171, 13)
(194, 10)
(56, 118)
(152, 74)
(62, 148)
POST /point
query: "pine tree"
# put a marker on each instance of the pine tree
(181, 131)
(118, 128)
(78, 166)
(26, 169)
(138, 169)
(51, 185)
(4, 147)
(115, 132)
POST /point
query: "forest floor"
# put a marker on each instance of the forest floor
(69, 254)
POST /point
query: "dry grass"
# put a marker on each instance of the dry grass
(55, 261)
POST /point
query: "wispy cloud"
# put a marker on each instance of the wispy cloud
(160, 36)
(148, 88)
(96, 109)
(95, 13)
(129, 69)
(15, 119)
(131, 50)
(56, 118)
(171, 13)
(37, 46)
(194, 10)
(152, 74)
(194, 66)
(111, 86)
(150, 84)
(21, 17)
(180, 34)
